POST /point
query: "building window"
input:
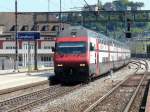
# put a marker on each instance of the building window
(47, 47)
(55, 28)
(20, 58)
(13, 28)
(10, 38)
(35, 28)
(25, 28)
(10, 47)
(45, 28)
(45, 58)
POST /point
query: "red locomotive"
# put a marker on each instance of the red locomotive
(81, 53)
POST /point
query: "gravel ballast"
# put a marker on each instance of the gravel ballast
(78, 100)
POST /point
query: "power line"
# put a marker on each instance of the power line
(88, 5)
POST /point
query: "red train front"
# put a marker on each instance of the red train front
(71, 56)
(81, 54)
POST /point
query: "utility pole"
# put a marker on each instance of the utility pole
(48, 6)
(60, 16)
(16, 40)
(35, 43)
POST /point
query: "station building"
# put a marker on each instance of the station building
(28, 22)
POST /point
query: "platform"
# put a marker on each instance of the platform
(10, 71)
(20, 79)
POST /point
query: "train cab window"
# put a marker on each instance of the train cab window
(71, 47)
(91, 47)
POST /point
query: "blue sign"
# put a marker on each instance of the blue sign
(28, 35)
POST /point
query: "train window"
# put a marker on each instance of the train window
(45, 58)
(20, 58)
(104, 42)
(104, 59)
(91, 47)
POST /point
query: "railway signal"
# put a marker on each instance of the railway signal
(128, 33)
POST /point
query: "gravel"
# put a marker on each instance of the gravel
(138, 100)
(117, 101)
(81, 98)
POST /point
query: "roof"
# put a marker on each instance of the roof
(7, 19)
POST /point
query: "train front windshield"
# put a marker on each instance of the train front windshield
(71, 48)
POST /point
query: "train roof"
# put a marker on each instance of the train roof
(79, 31)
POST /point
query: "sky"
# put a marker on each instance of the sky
(42, 5)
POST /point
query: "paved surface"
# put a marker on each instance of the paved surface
(19, 79)
(24, 70)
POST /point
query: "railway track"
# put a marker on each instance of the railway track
(121, 97)
(28, 101)
(23, 87)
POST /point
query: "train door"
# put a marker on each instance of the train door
(97, 58)
(94, 56)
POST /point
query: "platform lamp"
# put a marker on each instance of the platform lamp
(16, 40)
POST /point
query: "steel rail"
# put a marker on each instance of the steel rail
(25, 96)
(136, 63)
(127, 108)
(13, 89)
(32, 103)
(105, 96)
(108, 93)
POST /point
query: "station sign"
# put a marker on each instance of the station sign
(28, 35)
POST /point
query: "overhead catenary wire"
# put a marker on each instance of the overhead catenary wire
(90, 9)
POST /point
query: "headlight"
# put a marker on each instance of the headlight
(82, 65)
(59, 65)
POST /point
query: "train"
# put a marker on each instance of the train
(81, 54)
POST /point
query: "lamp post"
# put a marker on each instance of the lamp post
(35, 44)
(16, 40)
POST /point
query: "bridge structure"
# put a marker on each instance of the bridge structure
(87, 18)
(93, 16)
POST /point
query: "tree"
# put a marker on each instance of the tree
(136, 5)
(125, 2)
